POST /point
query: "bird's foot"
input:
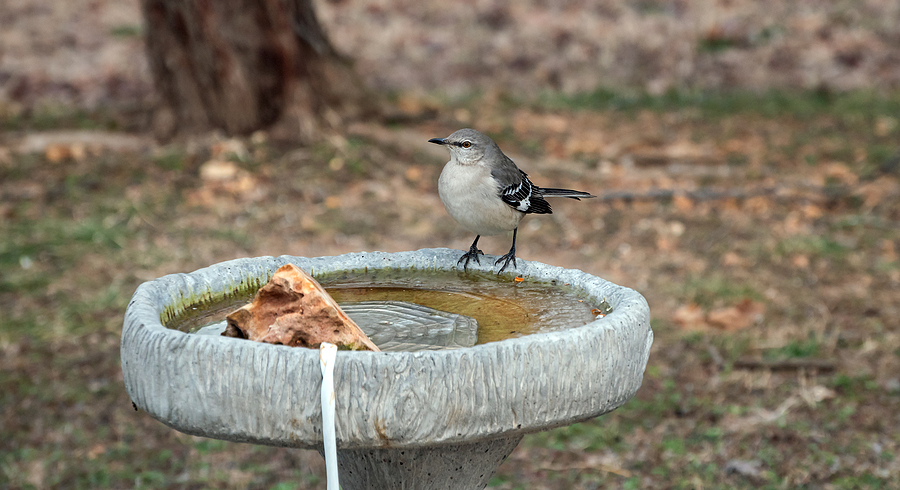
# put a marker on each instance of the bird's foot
(506, 259)
(473, 253)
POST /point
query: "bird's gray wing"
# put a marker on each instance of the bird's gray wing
(518, 191)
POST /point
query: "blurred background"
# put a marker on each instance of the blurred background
(746, 155)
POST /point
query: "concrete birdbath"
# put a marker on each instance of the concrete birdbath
(423, 419)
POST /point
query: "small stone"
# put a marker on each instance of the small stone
(218, 170)
(892, 385)
(293, 309)
(741, 467)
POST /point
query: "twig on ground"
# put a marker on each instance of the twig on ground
(821, 365)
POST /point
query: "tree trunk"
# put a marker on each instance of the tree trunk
(244, 65)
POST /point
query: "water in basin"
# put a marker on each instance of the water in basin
(468, 308)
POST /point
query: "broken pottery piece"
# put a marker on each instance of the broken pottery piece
(293, 309)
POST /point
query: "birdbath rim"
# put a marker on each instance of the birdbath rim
(245, 391)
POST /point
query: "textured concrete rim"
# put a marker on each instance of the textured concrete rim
(245, 391)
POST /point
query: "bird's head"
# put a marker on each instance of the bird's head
(467, 146)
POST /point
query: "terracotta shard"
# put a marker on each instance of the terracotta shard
(294, 309)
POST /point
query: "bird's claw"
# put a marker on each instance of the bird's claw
(506, 259)
(473, 253)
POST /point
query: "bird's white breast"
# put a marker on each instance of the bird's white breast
(471, 196)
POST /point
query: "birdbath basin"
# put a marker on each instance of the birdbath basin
(412, 420)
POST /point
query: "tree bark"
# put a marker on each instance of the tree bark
(245, 65)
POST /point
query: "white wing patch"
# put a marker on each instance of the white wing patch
(524, 204)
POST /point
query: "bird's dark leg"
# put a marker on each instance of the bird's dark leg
(510, 256)
(473, 253)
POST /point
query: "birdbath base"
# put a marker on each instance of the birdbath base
(466, 465)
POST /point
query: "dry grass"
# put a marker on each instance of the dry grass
(813, 251)
(773, 235)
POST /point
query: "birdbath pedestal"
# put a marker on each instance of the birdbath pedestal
(405, 420)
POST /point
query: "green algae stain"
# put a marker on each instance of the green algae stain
(197, 308)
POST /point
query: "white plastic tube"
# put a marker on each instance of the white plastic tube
(327, 354)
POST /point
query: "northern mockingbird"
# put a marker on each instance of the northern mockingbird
(486, 193)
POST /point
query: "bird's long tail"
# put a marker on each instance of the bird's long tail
(577, 195)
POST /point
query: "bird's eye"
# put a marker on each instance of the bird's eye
(466, 144)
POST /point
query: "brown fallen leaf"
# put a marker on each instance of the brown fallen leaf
(840, 173)
(759, 205)
(56, 153)
(293, 309)
(730, 318)
(682, 202)
(736, 317)
(800, 261)
(733, 259)
(690, 317)
(882, 189)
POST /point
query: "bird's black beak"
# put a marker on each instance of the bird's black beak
(438, 141)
